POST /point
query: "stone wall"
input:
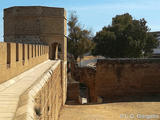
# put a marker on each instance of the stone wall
(36, 25)
(73, 93)
(117, 79)
(87, 76)
(44, 99)
(26, 26)
(121, 79)
(64, 79)
(50, 97)
(16, 58)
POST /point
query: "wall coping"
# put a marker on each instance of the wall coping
(26, 100)
(129, 60)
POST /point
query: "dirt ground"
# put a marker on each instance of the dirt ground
(112, 111)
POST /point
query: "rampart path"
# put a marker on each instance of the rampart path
(11, 91)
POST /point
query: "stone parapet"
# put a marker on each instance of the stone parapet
(16, 58)
(36, 94)
(43, 100)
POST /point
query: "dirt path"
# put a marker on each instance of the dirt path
(112, 111)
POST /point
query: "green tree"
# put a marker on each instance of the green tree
(79, 39)
(125, 37)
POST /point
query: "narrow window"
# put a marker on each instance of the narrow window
(32, 51)
(38, 50)
(42, 50)
(23, 52)
(17, 52)
(8, 53)
(35, 50)
(28, 51)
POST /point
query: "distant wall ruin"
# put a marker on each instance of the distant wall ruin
(73, 93)
(87, 76)
(119, 79)
(127, 77)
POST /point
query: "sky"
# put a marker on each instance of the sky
(95, 14)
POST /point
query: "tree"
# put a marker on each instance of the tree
(79, 39)
(125, 38)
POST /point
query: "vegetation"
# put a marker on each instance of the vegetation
(79, 39)
(125, 37)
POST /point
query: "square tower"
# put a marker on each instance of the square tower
(37, 25)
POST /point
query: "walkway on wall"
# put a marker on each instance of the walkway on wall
(111, 111)
(11, 90)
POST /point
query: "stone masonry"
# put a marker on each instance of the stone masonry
(120, 79)
(16, 58)
(33, 63)
(37, 25)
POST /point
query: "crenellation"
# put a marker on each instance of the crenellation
(36, 25)
(33, 35)
(16, 58)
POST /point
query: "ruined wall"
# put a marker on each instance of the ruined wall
(73, 93)
(87, 76)
(119, 79)
(16, 58)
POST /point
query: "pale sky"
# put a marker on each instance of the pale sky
(95, 14)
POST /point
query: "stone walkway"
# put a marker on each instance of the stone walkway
(11, 90)
(112, 111)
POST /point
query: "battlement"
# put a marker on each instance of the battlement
(33, 63)
(37, 25)
(35, 11)
(16, 58)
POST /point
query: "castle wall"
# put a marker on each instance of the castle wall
(119, 79)
(49, 99)
(32, 35)
(16, 58)
(36, 94)
(37, 25)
